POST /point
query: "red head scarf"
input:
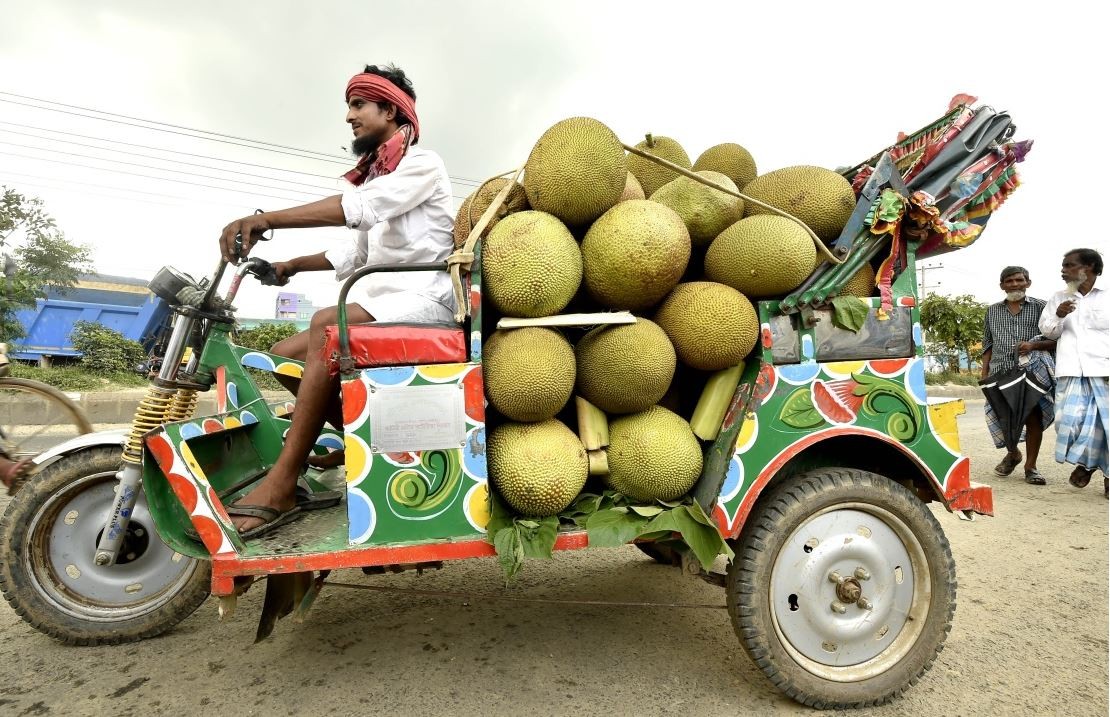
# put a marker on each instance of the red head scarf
(375, 88)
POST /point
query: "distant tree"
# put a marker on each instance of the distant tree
(41, 254)
(953, 325)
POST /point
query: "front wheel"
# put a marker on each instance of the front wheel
(48, 537)
(843, 589)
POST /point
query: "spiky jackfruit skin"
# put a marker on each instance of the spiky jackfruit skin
(624, 369)
(472, 208)
(634, 254)
(538, 468)
(529, 373)
(705, 211)
(632, 188)
(761, 256)
(653, 175)
(820, 197)
(576, 171)
(653, 455)
(712, 326)
(731, 160)
(861, 284)
(531, 265)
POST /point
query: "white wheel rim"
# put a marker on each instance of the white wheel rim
(61, 542)
(816, 574)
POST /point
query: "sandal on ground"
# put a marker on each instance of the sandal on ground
(1080, 477)
(16, 474)
(272, 517)
(1034, 477)
(307, 499)
(1008, 464)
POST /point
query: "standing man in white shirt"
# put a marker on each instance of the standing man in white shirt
(400, 208)
(1078, 319)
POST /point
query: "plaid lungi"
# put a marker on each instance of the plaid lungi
(1082, 417)
(1043, 368)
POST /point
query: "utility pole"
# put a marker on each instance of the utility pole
(923, 287)
(923, 290)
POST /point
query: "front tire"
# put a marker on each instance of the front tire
(48, 537)
(843, 589)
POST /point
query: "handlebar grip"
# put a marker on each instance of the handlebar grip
(266, 274)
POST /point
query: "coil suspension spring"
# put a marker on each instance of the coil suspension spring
(150, 414)
(183, 406)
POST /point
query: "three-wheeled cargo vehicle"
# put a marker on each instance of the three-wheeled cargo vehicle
(842, 586)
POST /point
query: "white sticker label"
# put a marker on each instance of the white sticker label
(417, 418)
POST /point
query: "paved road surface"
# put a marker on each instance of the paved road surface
(1030, 637)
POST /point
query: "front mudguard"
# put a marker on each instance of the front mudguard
(114, 437)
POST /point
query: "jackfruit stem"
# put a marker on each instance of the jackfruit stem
(714, 401)
(649, 140)
(598, 462)
(593, 426)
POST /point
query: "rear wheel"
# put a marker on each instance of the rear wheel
(843, 589)
(48, 537)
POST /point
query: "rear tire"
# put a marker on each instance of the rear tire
(48, 536)
(815, 544)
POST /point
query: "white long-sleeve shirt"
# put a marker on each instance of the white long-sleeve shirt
(403, 217)
(1083, 336)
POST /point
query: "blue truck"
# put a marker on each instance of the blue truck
(119, 303)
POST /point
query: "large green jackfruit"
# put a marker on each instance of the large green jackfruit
(576, 171)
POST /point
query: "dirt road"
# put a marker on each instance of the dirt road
(1030, 637)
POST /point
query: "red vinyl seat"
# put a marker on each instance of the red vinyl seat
(395, 344)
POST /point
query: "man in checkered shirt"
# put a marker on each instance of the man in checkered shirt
(1010, 331)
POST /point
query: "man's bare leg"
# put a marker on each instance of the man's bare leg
(1033, 434)
(296, 347)
(317, 389)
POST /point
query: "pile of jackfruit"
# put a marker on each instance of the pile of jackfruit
(594, 228)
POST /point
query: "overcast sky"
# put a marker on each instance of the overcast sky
(819, 83)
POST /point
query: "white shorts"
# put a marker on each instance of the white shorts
(406, 307)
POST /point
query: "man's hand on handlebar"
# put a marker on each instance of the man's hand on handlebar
(240, 236)
(285, 270)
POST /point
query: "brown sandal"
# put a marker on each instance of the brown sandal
(1008, 464)
(1081, 476)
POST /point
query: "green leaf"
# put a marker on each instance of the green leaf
(610, 528)
(704, 540)
(664, 522)
(656, 536)
(539, 541)
(697, 530)
(850, 312)
(647, 510)
(699, 514)
(510, 552)
(584, 504)
(500, 517)
(798, 411)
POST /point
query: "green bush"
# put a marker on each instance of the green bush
(262, 337)
(103, 350)
(934, 378)
(76, 377)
